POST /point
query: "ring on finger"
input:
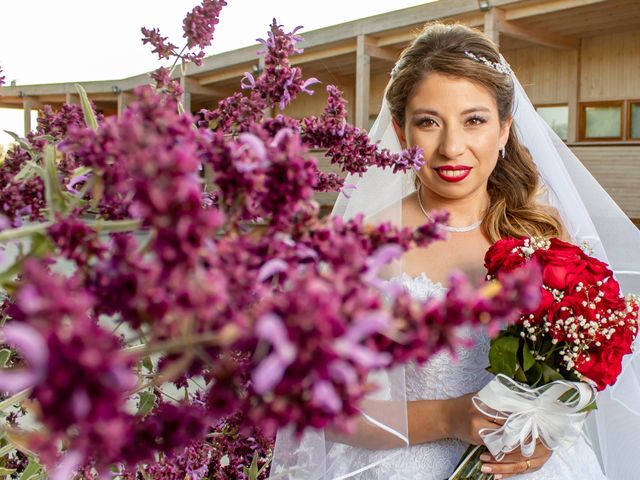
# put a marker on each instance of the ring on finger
(528, 462)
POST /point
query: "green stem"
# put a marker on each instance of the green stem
(24, 231)
(112, 226)
(17, 398)
(6, 449)
(177, 344)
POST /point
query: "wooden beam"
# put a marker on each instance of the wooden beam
(124, 99)
(374, 51)
(529, 34)
(72, 98)
(540, 8)
(491, 28)
(193, 86)
(363, 83)
(574, 96)
(27, 106)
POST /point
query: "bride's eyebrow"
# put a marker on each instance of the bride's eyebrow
(420, 111)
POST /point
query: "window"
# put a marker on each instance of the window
(601, 121)
(634, 120)
(557, 117)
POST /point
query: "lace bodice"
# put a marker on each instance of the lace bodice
(442, 377)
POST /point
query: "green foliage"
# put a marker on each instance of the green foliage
(147, 402)
(89, 116)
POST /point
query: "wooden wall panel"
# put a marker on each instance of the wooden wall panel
(543, 72)
(378, 84)
(305, 105)
(617, 168)
(610, 67)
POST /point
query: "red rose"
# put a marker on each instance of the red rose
(499, 257)
(603, 366)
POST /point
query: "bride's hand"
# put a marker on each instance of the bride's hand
(515, 463)
(464, 420)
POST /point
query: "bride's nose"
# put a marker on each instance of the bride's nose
(452, 143)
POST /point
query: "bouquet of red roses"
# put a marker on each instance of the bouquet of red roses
(556, 355)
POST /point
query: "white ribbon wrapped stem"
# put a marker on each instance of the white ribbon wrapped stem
(552, 413)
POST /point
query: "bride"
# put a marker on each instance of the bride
(452, 94)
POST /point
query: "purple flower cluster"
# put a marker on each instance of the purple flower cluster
(278, 84)
(2, 77)
(272, 178)
(230, 277)
(75, 240)
(19, 199)
(349, 146)
(167, 85)
(26, 198)
(422, 332)
(159, 43)
(234, 447)
(199, 24)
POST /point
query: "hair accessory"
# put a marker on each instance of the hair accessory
(502, 66)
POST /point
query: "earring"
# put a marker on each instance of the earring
(502, 152)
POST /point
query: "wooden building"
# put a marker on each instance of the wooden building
(579, 61)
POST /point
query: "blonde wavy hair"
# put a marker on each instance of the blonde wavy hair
(514, 184)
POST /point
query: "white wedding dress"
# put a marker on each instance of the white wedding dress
(444, 377)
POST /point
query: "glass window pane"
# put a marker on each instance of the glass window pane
(557, 118)
(635, 120)
(603, 122)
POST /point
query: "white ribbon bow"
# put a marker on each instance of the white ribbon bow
(553, 413)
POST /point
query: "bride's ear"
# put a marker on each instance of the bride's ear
(505, 127)
(400, 133)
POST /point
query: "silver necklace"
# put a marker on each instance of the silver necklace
(448, 228)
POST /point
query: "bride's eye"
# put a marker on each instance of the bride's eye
(476, 120)
(426, 122)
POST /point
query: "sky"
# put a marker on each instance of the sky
(44, 41)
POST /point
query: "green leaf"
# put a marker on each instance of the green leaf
(549, 374)
(7, 471)
(527, 357)
(40, 246)
(33, 470)
(520, 375)
(147, 363)
(89, 116)
(252, 472)
(534, 374)
(20, 141)
(53, 189)
(503, 355)
(147, 402)
(5, 355)
(30, 169)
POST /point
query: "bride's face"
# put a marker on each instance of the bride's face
(456, 123)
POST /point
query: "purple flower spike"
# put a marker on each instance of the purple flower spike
(271, 370)
(69, 464)
(324, 396)
(383, 256)
(33, 348)
(199, 24)
(271, 268)
(307, 84)
(249, 78)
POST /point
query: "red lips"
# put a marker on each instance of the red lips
(449, 168)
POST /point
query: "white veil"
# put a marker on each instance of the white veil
(589, 214)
